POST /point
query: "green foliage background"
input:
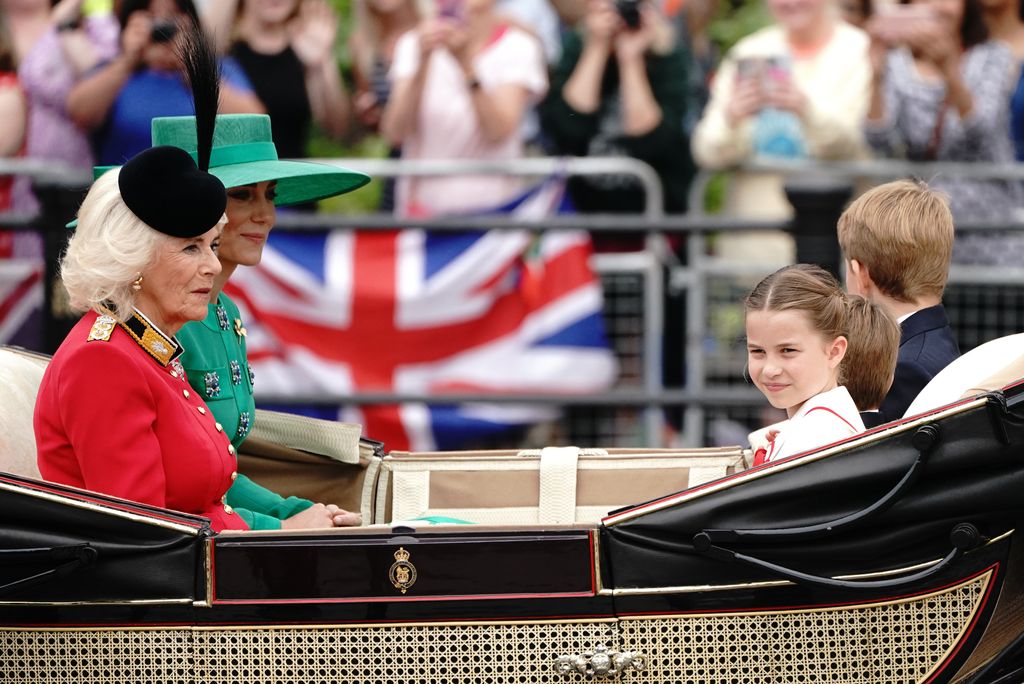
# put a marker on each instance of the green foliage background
(735, 19)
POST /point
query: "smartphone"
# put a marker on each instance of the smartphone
(766, 71)
(776, 69)
(750, 68)
(450, 9)
(629, 10)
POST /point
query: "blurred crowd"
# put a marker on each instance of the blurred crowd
(498, 80)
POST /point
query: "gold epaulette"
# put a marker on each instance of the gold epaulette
(102, 329)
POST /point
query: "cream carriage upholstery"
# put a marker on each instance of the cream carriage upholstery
(20, 375)
(555, 485)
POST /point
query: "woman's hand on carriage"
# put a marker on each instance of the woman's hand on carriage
(318, 516)
(343, 518)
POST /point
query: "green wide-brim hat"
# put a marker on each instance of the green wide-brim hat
(244, 153)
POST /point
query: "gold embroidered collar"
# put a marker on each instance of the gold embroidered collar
(158, 345)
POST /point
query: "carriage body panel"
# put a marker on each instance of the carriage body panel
(892, 557)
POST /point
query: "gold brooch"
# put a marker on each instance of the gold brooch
(239, 328)
(402, 573)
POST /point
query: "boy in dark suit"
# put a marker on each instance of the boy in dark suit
(897, 240)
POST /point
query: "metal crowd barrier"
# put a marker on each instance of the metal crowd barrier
(60, 191)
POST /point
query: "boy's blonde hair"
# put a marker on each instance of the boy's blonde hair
(903, 233)
(873, 342)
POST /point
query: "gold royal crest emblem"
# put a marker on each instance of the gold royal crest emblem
(402, 573)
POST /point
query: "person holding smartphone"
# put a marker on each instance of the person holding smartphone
(940, 91)
(812, 69)
(461, 85)
(117, 100)
(620, 89)
(55, 44)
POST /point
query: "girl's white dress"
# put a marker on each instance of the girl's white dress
(823, 419)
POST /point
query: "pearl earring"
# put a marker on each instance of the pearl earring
(137, 283)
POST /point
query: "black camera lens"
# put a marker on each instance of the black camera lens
(163, 31)
(629, 10)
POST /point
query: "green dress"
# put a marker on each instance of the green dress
(218, 369)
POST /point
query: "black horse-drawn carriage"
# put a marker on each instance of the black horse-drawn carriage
(894, 556)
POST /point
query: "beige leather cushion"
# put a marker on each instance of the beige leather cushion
(292, 472)
(20, 375)
(339, 441)
(509, 488)
(319, 460)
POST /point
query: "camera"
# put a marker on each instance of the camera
(163, 31)
(629, 10)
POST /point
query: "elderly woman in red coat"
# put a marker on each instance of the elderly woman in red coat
(115, 413)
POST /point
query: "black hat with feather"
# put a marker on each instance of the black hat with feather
(164, 186)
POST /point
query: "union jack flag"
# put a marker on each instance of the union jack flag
(21, 289)
(415, 312)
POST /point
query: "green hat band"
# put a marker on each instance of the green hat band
(241, 153)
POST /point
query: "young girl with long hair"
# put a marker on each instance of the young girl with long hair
(796, 323)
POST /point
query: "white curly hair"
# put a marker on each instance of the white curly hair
(110, 249)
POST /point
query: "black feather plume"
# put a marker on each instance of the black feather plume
(202, 69)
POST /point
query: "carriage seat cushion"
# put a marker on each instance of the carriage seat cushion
(552, 486)
(989, 366)
(20, 375)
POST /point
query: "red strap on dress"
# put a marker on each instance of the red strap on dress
(763, 455)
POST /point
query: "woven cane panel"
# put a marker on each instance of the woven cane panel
(449, 654)
(442, 654)
(898, 642)
(96, 657)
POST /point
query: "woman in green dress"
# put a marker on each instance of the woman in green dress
(245, 160)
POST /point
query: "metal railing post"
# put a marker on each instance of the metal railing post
(817, 204)
(696, 332)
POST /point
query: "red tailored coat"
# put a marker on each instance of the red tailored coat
(115, 415)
